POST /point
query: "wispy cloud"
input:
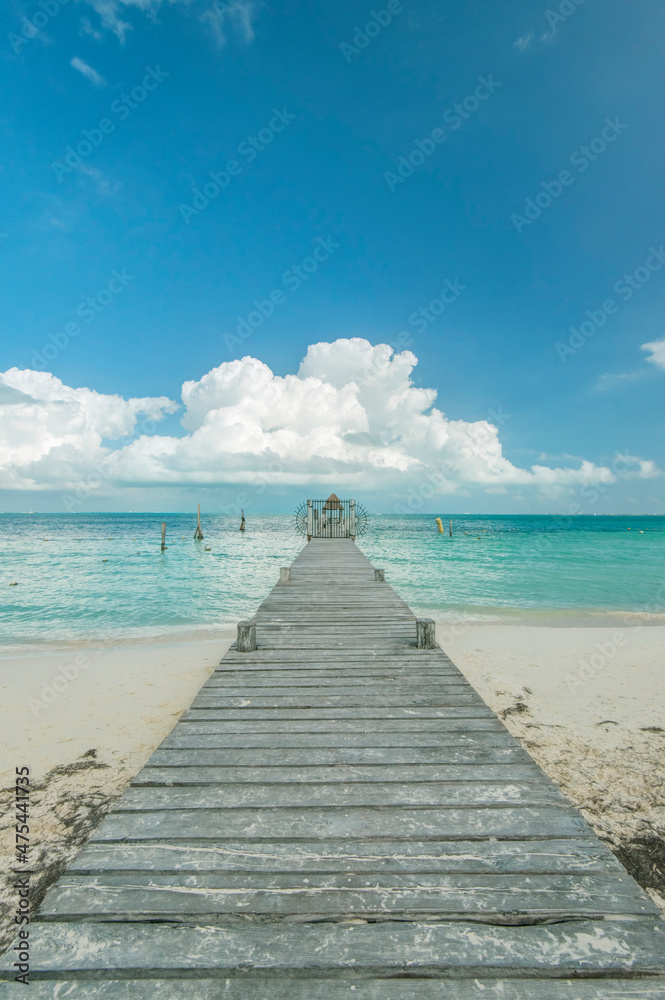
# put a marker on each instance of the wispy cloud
(612, 380)
(109, 12)
(236, 16)
(87, 29)
(657, 356)
(524, 42)
(105, 185)
(639, 468)
(239, 15)
(88, 72)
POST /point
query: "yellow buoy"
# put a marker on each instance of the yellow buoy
(439, 525)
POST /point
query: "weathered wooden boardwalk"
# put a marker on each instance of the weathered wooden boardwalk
(339, 814)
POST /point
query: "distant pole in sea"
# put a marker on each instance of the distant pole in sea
(242, 520)
(451, 529)
(163, 535)
(198, 534)
(439, 524)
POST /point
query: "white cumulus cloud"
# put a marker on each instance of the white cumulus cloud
(52, 435)
(351, 417)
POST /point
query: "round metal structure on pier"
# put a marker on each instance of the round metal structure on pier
(331, 518)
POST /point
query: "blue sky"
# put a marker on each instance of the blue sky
(520, 211)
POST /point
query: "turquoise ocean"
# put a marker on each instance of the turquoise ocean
(84, 578)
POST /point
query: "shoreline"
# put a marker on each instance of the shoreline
(464, 616)
(600, 737)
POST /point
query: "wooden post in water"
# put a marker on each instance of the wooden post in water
(163, 535)
(451, 529)
(425, 633)
(246, 641)
(198, 534)
(242, 520)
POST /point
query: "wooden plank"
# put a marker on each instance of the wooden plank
(340, 690)
(303, 663)
(205, 774)
(464, 725)
(281, 988)
(305, 823)
(438, 700)
(357, 794)
(295, 662)
(579, 947)
(407, 657)
(341, 895)
(509, 753)
(317, 691)
(336, 714)
(398, 678)
(572, 856)
(481, 739)
(312, 705)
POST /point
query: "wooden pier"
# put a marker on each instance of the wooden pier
(339, 815)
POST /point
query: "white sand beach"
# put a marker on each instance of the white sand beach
(84, 746)
(598, 730)
(589, 706)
